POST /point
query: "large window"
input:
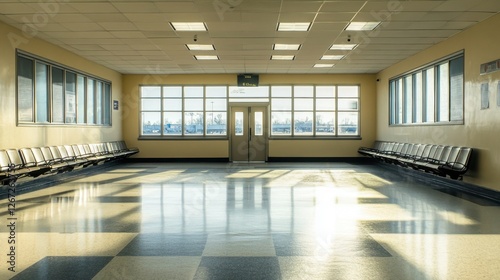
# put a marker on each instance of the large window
(296, 110)
(315, 110)
(51, 94)
(183, 111)
(431, 94)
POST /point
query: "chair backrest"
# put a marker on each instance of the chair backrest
(445, 154)
(47, 154)
(69, 151)
(27, 157)
(462, 160)
(76, 151)
(56, 154)
(4, 161)
(437, 153)
(452, 158)
(426, 151)
(64, 153)
(39, 158)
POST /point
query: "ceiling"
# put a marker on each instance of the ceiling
(136, 37)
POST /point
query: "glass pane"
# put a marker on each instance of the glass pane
(303, 123)
(151, 123)
(70, 98)
(191, 91)
(281, 123)
(238, 123)
(408, 98)
(216, 123)
(80, 81)
(325, 104)
(258, 121)
(348, 123)
(42, 93)
(417, 91)
(348, 91)
(107, 104)
(172, 91)
(25, 89)
(98, 103)
(348, 104)
(150, 91)
(172, 122)
(215, 91)
(457, 89)
(325, 91)
(443, 93)
(281, 91)
(399, 88)
(90, 101)
(303, 91)
(325, 123)
(57, 95)
(281, 104)
(193, 123)
(429, 95)
(215, 105)
(150, 105)
(303, 104)
(249, 92)
(172, 104)
(193, 104)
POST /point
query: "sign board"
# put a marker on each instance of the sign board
(489, 67)
(248, 80)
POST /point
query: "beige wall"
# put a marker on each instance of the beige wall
(481, 129)
(13, 136)
(220, 148)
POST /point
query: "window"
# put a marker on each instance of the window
(296, 110)
(315, 110)
(192, 111)
(51, 94)
(431, 94)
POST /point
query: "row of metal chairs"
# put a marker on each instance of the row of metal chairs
(441, 160)
(37, 161)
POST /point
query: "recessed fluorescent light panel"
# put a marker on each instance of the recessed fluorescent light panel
(362, 26)
(343, 47)
(200, 47)
(294, 26)
(282, 57)
(322, 65)
(332, 57)
(188, 26)
(206, 57)
(286, 47)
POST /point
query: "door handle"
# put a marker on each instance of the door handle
(249, 134)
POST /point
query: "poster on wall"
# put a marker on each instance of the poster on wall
(485, 98)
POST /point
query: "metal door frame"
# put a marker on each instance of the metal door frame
(266, 124)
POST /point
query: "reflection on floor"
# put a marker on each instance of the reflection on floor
(250, 221)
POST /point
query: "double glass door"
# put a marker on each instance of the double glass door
(248, 133)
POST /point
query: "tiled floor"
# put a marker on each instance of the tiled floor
(250, 221)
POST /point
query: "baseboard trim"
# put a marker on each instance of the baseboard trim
(354, 160)
(180, 160)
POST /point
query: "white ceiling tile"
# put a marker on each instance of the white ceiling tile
(93, 7)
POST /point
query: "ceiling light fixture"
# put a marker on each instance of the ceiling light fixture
(206, 57)
(282, 57)
(343, 47)
(332, 57)
(189, 26)
(362, 25)
(322, 65)
(200, 47)
(286, 47)
(294, 26)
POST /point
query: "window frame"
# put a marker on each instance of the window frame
(50, 67)
(428, 98)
